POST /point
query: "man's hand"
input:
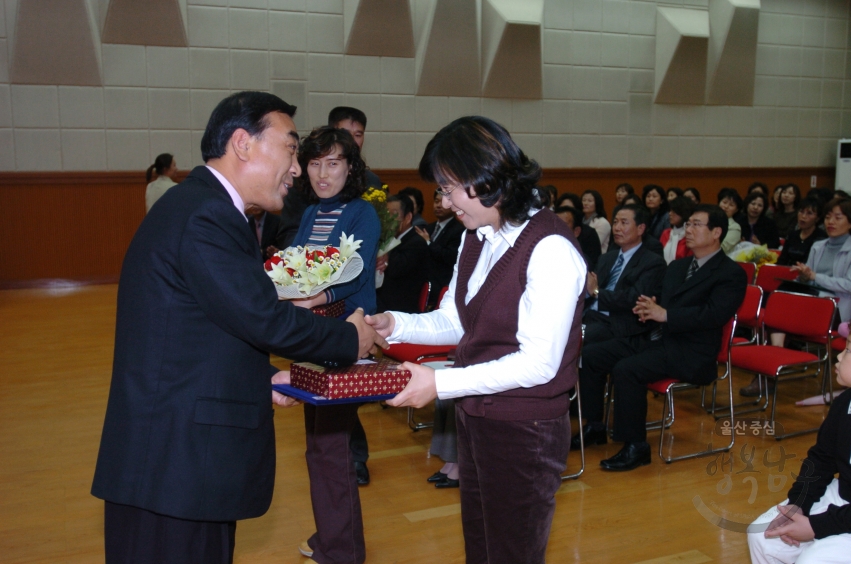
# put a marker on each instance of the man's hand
(423, 233)
(368, 340)
(421, 389)
(383, 323)
(270, 250)
(647, 308)
(282, 377)
(591, 283)
(791, 526)
(381, 263)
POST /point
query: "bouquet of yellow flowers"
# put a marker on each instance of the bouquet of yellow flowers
(389, 222)
(757, 254)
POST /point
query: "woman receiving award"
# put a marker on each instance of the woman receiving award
(513, 308)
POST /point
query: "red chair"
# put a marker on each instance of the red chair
(670, 386)
(809, 318)
(750, 270)
(748, 315)
(423, 301)
(770, 276)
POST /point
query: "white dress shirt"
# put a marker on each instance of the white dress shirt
(555, 280)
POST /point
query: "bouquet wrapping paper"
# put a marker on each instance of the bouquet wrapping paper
(367, 378)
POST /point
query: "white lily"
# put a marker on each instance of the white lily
(348, 245)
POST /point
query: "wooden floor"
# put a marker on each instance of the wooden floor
(55, 362)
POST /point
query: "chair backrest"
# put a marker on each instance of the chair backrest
(748, 314)
(770, 276)
(750, 270)
(423, 303)
(727, 340)
(799, 314)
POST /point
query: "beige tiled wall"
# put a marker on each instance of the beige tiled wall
(597, 108)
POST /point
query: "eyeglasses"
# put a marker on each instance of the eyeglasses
(445, 193)
(695, 224)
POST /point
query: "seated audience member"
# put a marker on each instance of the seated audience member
(405, 267)
(611, 293)
(443, 238)
(656, 200)
(693, 194)
(758, 187)
(800, 240)
(165, 166)
(416, 196)
(756, 227)
(621, 192)
(265, 226)
(674, 238)
(674, 193)
(594, 216)
(786, 214)
(699, 296)
(813, 525)
(730, 201)
(549, 192)
(633, 199)
(587, 238)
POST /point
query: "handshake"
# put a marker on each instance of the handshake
(372, 331)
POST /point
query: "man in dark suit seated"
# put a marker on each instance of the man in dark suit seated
(621, 277)
(405, 266)
(443, 238)
(188, 444)
(699, 296)
(589, 241)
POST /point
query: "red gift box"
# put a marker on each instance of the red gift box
(373, 379)
(334, 309)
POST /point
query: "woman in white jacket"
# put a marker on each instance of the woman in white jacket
(595, 217)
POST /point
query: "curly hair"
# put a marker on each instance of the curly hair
(480, 155)
(321, 142)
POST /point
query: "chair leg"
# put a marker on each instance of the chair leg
(414, 425)
(576, 475)
(668, 412)
(773, 419)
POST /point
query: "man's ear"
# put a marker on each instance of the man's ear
(641, 228)
(577, 230)
(240, 143)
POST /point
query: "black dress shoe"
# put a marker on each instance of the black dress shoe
(630, 457)
(752, 389)
(592, 435)
(447, 483)
(437, 477)
(362, 473)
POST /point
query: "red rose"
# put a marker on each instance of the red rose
(318, 256)
(331, 251)
(272, 261)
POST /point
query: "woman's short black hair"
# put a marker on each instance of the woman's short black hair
(599, 206)
(663, 207)
(320, 143)
(760, 185)
(479, 154)
(796, 190)
(633, 198)
(675, 190)
(693, 191)
(243, 110)
(755, 196)
(683, 207)
(733, 195)
(811, 203)
(626, 186)
(574, 199)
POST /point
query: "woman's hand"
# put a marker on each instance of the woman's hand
(319, 299)
(805, 273)
(421, 388)
(383, 323)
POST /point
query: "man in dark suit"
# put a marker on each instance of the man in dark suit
(443, 238)
(405, 266)
(699, 296)
(621, 277)
(589, 241)
(188, 444)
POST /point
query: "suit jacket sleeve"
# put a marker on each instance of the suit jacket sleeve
(410, 255)
(644, 278)
(235, 293)
(724, 299)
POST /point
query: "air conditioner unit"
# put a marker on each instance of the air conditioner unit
(843, 165)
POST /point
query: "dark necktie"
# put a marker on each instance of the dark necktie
(437, 229)
(615, 274)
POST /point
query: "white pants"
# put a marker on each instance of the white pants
(829, 550)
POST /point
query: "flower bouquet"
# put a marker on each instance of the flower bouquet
(757, 254)
(389, 224)
(304, 272)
